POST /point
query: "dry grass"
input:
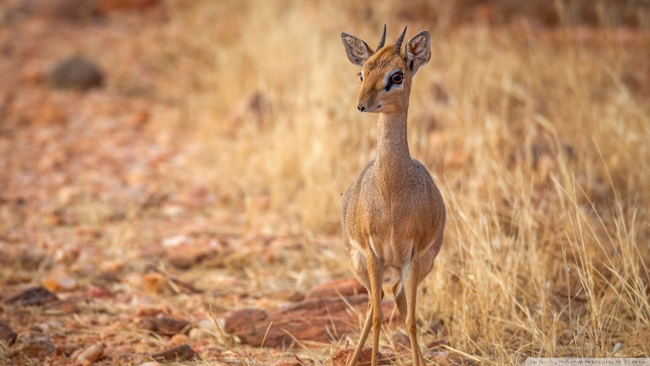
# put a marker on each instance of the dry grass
(537, 139)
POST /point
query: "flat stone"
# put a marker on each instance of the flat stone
(35, 345)
(315, 320)
(33, 297)
(164, 326)
(337, 288)
(181, 353)
(7, 334)
(76, 73)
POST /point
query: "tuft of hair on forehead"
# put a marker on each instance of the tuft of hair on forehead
(384, 58)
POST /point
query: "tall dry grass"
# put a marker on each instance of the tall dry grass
(537, 140)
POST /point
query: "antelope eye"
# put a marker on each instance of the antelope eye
(397, 78)
(361, 77)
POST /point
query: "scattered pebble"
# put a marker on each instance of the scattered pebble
(155, 282)
(337, 288)
(60, 283)
(175, 241)
(91, 354)
(179, 339)
(35, 345)
(181, 353)
(164, 326)
(153, 311)
(33, 297)
(196, 334)
(7, 334)
(98, 292)
(76, 73)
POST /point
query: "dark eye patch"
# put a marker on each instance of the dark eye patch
(390, 83)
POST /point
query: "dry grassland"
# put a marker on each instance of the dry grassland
(537, 140)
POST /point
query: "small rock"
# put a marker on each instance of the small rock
(119, 353)
(337, 288)
(154, 311)
(91, 354)
(113, 266)
(60, 283)
(231, 357)
(155, 282)
(76, 73)
(342, 357)
(35, 345)
(175, 241)
(198, 334)
(164, 326)
(33, 297)
(242, 319)
(7, 334)
(179, 339)
(320, 321)
(98, 292)
(181, 353)
(187, 256)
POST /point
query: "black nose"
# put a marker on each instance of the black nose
(361, 108)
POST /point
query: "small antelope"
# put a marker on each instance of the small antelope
(392, 214)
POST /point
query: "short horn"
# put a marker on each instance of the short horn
(383, 39)
(398, 44)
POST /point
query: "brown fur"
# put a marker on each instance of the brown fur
(392, 214)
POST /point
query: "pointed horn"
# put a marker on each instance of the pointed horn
(383, 39)
(398, 44)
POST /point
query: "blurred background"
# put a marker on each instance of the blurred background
(211, 141)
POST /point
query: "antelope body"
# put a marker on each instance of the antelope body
(392, 215)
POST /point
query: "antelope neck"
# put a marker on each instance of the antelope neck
(392, 147)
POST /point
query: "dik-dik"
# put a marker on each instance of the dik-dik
(392, 215)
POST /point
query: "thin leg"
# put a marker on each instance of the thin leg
(364, 336)
(410, 278)
(400, 299)
(375, 272)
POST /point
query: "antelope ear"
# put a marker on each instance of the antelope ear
(418, 51)
(357, 50)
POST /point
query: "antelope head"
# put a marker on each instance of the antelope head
(387, 72)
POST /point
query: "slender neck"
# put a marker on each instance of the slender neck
(392, 146)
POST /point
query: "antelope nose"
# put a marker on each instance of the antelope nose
(361, 108)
